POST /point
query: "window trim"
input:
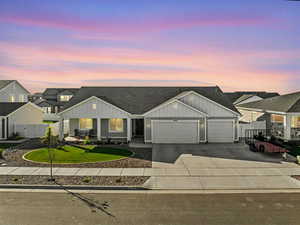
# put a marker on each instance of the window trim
(115, 131)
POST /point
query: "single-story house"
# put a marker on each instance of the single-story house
(281, 113)
(242, 97)
(156, 114)
(12, 114)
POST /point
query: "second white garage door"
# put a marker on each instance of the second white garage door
(220, 131)
(169, 131)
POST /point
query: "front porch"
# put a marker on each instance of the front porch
(286, 127)
(97, 129)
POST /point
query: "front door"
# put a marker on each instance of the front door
(139, 127)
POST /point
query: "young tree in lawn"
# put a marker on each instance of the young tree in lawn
(51, 141)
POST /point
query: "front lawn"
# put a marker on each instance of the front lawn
(78, 154)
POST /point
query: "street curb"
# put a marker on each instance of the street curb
(72, 187)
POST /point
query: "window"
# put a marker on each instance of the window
(47, 109)
(94, 106)
(65, 98)
(12, 98)
(21, 98)
(116, 125)
(277, 118)
(85, 123)
(295, 122)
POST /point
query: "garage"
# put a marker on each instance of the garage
(175, 131)
(220, 131)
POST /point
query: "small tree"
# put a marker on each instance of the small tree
(51, 141)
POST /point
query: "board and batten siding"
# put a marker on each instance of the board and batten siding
(175, 110)
(27, 114)
(206, 106)
(13, 89)
(86, 110)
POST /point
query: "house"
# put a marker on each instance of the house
(281, 113)
(35, 97)
(251, 96)
(156, 114)
(13, 91)
(53, 99)
(16, 113)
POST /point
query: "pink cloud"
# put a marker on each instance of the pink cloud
(123, 26)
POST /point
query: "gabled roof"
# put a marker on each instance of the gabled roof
(234, 96)
(7, 108)
(284, 103)
(138, 100)
(4, 83)
(56, 91)
(243, 98)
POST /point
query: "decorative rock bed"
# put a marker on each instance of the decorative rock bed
(74, 180)
(142, 158)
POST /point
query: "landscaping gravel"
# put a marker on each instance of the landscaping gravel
(74, 180)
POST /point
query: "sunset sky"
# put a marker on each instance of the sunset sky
(235, 44)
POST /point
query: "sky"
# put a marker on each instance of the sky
(237, 45)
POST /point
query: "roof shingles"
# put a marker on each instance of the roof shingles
(138, 100)
(283, 103)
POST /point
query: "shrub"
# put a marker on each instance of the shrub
(86, 140)
(87, 180)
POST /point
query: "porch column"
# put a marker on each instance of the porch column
(287, 127)
(61, 129)
(99, 129)
(128, 129)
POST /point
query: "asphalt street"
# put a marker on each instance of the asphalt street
(38, 208)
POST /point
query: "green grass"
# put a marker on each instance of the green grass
(82, 154)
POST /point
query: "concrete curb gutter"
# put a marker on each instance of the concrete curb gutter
(135, 190)
(71, 187)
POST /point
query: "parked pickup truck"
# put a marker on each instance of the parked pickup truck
(262, 146)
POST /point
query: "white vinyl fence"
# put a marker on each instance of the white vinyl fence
(257, 125)
(31, 130)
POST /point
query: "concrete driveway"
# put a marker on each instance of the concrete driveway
(210, 156)
(219, 166)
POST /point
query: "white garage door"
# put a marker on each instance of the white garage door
(220, 131)
(169, 131)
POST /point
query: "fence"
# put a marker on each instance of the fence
(257, 125)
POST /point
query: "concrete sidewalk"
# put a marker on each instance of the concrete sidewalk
(156, 172)
(184, 179)
(223, 183)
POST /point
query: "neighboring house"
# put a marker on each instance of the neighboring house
(250, 96)
(281, 113)
(36, 97)
(53, 99)
(12, 114)
(156, 114)
(13, 91)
